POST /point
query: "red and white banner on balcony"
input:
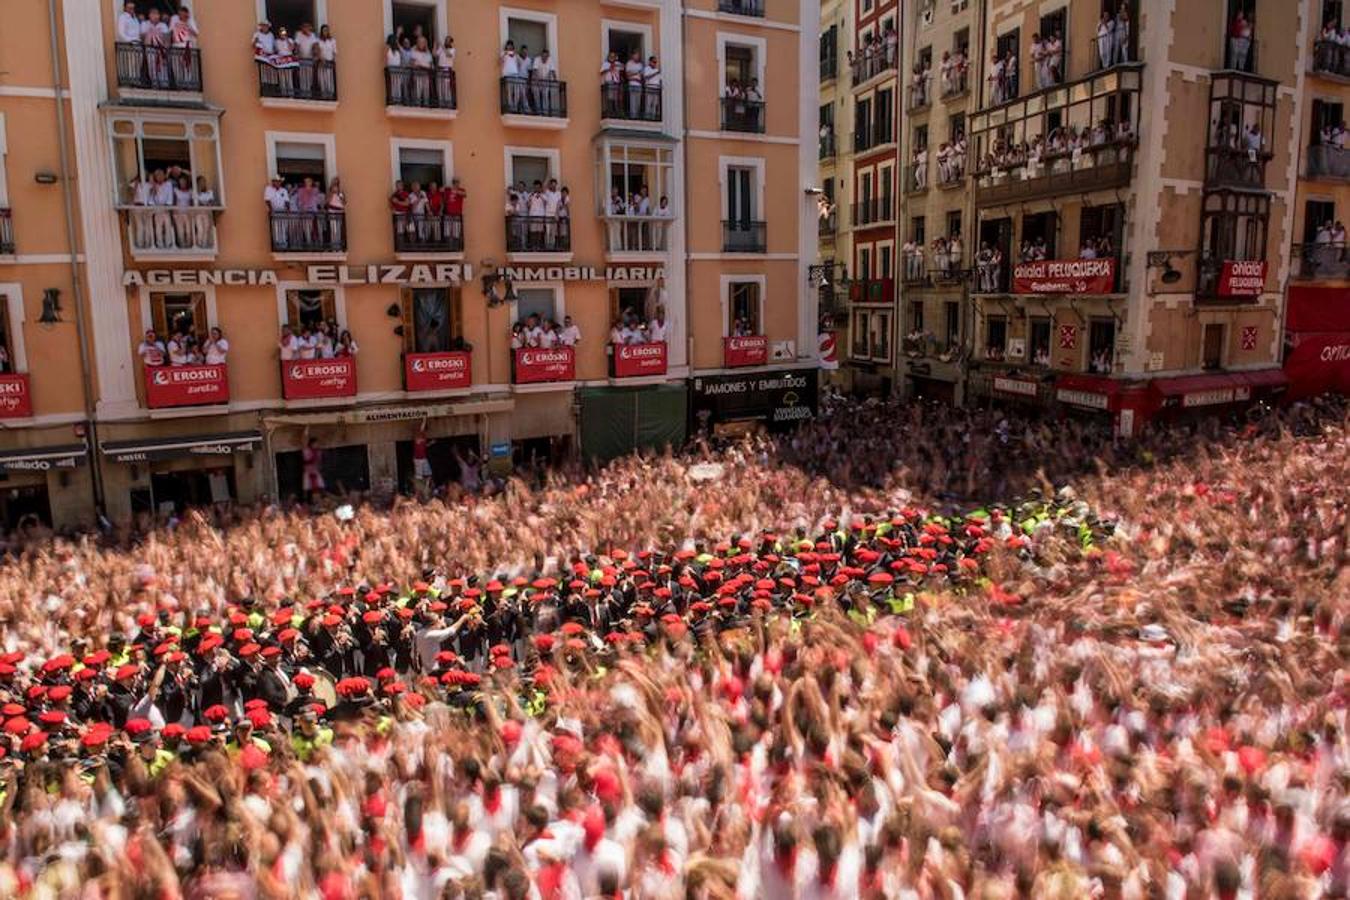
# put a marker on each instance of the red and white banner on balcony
(16, 400)
(745, 351)
(314, 379)
(1242, 278)
(169, 386)
(1065, 276)
(437, 371)
(535, 365)
(636, 360)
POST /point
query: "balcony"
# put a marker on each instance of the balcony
(1321, 262)
(742, 115)
(919, 96)
(428, 234)
(742, 7)
(744, 236)
(914, 267)
(450, 370)
(829, 67)
(6, 232)
(637, 360)
(322, 233)
(947, 266)
(170, 234)
(991, 275)
(538, 234)
(1331, 58)
(880, 291)
(420, 93)
(1103, 167)
(534, 102)
(866, 66)
(301, 84)
(827, 145)
(169, 387)
(636, 235)
(318, 379)
(1229, 167)
(539, 365)
(1327, 161)
(630, 103)
(828, 224)
(16, 396)
(865, 139)
(747, 350)
(158, 69)
(916, 179)
(956, 84)
(951, 170)
(873, 211)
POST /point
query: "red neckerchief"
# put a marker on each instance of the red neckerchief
(786, 863)
(665, 863)
(492, 801)
(549, 881)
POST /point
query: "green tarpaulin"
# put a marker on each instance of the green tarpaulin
(615, 421)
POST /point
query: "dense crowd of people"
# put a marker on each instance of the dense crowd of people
(1065, 149)
(538, 217)
(994, 658)
(158, 50)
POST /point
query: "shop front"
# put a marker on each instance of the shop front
(1189, 396)
(1126, 404)
(31, 481)
(166, 475)
(778, 400)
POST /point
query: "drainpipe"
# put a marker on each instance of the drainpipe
(72, 241)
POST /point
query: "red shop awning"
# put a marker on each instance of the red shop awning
(1199, 391)
(1088, 391)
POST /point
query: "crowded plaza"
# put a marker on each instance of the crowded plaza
(903, 651)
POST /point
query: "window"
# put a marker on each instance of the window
(861, 325)
(743, 309)
(432, 320)
(862, 125)
(742, 194)
(418, 16)
(8, 363)
(628, 168)
(291, 14)
(885, 116)
(952, 314)
(146, 145)
(954, 223)
(1325, 117)
(1039, 343)
(295, 161)
(309, 308)
(961, 41)
(625, 42)
(917, 232)
(865, 262)
(829, 52)
(1054, 26)
(740, 65)
(629, 303)
(1234, 227)
(920, 138)
(1101, 345)
(1212, 346)
(884, 254)
(539, 302)
(178, 314)
(1240, 41)
(529, 35)
(956, 127)
(881, 337)
(916, 316)
(995, 335)
(1332, 12)
(1317, 213)
(865, 193)
(422, 165)
(1039, 231)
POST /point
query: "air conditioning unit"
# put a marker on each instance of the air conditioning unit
(783, 351)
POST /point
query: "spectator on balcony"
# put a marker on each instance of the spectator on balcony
(1239, 41)
(611, 84)
(661, 227)
(203, 198)
(657, 328)
(565, 218)
(553, 203)
(216, 348)
(543, 81)
(891, 47)
(142, 217)
(346, 345)
(515, 79)
(151, 350)
(1101, 362)
(131, 55)
(156, 38)
(327, 54)
(920, 164)
(1040, 61)
(453, 198)
(305, 49)
(954, 250)
(651, 81)
(395, 71)
(1106, 39)
(421, 61)
(445, 73)
(1253, 142)
(289, 343)
(419, 212)
(997, 79)
(1054, 58)
(182, 215)
(400, 204)
(182, 349)
(162, 200)
(919, 80)
(570, 335)
(632, 78)
(277, 200)
(517, 336)
(335, 206)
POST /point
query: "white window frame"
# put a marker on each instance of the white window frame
(758, 44)
(547, 19)
(888, 244)
(339, 300)
(327, 140)
(724, 163)
(442, 16)
(320, 13)
(446, 148)
(885, 173)
(139, 118)
(4, 153)
(559, 290)
(606, 25)
(553, 155)
(148, 321)
(13, 292)
(726, 281)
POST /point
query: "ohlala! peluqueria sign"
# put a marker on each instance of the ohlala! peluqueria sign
(392, 273)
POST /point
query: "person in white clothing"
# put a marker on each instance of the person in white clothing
(514, 79)
(130, 52)
(142, 219)
(183, 197)
(151, 350)
(544, 77)
(183, 37)
(445, 74)
(658, 328)
(264, 41)
(552, 206)
(632, 79)
(570, 335)
(162, 201)
(216, 348)
(155, 37)
(422, 62)
(204, 198)
(651, 80)
(278, 200)
(289, 344)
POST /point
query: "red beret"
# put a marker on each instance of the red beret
(59, 692)
(217, 713)
(198, 734)
(33, 741)
(303, 680)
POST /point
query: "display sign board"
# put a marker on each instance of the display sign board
(1242, 278)
(536, 365)
(636, 360)
(752, 350)
(170, 386)
(1065, 276)
(16, 400)
(314, 379)
(437, 371)
(775, 398)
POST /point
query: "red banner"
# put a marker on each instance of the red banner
(16, 400)
(632, 360)
(535, 365)
(745, 351)
(1242, 278)
(437, 371)
(1318, 363)
(312, 379)
(1065, 276)
(168, 386)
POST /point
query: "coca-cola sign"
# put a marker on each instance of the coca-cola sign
(16, 400)
(437, 371)
(1065, 276)
(636, 360)
(170, 386)
(313, 379)
(536, 365)
(751, 350)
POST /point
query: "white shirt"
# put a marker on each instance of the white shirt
(206, 198)
(421, 59)
(181, 197)
(656, 331)
(445, 58)
(264, 43)
(544, 68)
(163, 194)
(151, 353)
(569, 336)
(305, 44)
(128, 28)
(277, 198)
(651, 76)
(393, 59)
(548, 339)
(143, 194)
(552, 200)
(288, 346)
(215, 352)
(510, 65)
(155, 33)
(537, 205)
(328, 49)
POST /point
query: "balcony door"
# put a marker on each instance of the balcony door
(625, 43)
(414, 16)
(423, 166)
(291, 14)
(432, 321)
(527, 170)
(178, 314)
(538, 302)
(740, 195)
(297, 161)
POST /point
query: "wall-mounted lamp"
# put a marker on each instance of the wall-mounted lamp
(51, 307)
